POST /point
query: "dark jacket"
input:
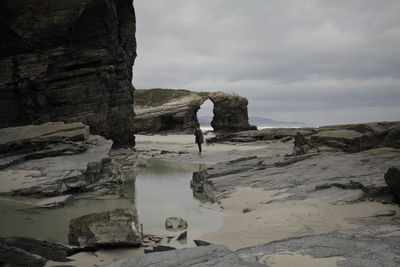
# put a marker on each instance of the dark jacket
(199, 136)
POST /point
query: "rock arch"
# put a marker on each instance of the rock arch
(167, 110)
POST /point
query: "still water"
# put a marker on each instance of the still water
(159, 191)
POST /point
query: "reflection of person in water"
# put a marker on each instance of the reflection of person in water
(199, 137)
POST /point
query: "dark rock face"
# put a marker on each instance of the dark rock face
(110, 229)
(230, 113)
(392, 178)
(68, 61)
(13, 256)
(167, 110)
(212, 255)
(350, 138)
(46, 249)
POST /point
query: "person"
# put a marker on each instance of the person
(199, 137)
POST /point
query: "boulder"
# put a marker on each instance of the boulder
(68, 61)
(110, 229)
(392, 178)
(175, 224)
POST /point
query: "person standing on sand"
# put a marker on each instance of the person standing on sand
(199, 137)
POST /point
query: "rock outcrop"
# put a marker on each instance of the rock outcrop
(364, 246)
(347, 177)
(212, 255)
(349, 138)
(68, 61)
(167, 110)
(54, 159)
(111, 229)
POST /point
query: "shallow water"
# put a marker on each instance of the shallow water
(162, 190)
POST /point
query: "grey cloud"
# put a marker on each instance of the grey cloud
(287, 57)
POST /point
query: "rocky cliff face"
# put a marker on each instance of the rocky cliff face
(68, 61)
(167, 110)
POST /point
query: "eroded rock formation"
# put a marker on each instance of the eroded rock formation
(68, 61)
(167, 110)
(53, 159)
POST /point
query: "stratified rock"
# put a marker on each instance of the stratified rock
(63, 174)
(359, 174)
(212, 255)
(261, 135)
(68, 61)
(110, 229)
(175, 224)
(167, 110)
(350, 138)
(230, 113)
(46, 249)
(363, 246)
(163, 110)
(16, 257)
(392, 178)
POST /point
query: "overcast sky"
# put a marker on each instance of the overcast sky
(313, 61)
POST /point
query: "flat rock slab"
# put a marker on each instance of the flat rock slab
(12, 138)
(110, 229)
(51, 176)
(301, 175)
(364, 246)
(213, 255)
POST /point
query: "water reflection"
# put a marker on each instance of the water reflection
(162, 190)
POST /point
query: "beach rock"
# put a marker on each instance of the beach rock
(46, 249)
(230, 113)
(13, 256)
(364, 246)
(182, 236)
(283, 134)
(212, 255)
(349, 138)
(167, 110)
(360, 175)
(201, 243)
(110, 229)
(392, 178)
(158, 248)
(68, 61)
(63, 174)
(175, 224)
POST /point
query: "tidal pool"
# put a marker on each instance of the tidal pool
(159, 191)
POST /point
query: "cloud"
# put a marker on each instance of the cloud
(311, 57)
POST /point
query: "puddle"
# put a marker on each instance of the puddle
(162, 190)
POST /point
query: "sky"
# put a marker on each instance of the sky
(313, 61)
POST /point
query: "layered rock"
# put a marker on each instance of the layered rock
(363, 246)
(54, 159)
(212, 255)
(350, 138)
(167, 110)
(230, 113)
(68, 61)
(344, 177)
(117, 228)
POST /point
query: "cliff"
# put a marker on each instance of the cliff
(168, 110)
(68, 61)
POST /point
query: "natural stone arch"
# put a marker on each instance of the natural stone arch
(167, 110)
